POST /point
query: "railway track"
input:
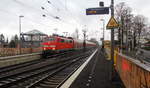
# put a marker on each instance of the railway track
(57, 78)
(17, 66)
(27, 75)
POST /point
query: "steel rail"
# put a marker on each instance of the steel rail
(25, 70)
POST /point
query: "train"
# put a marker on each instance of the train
(56, 44)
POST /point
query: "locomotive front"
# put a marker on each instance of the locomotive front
(49, 45)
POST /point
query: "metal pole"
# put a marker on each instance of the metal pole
(20, 33)
(84, 42)
(103, 31)
(112, 40)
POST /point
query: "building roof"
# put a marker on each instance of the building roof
(34, 32)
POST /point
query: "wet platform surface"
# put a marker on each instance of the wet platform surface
(96, 74)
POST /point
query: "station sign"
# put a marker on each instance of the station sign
(97, 11)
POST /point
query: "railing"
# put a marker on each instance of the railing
(133, 72)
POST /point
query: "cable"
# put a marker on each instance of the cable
(26, 18)
(53, 5)
(55, 17)
(22, 4)
(45, 14)
(70, 13)
(62, 4)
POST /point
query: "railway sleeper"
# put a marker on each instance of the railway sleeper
(58, 77)
(47, 85)
(52, 82)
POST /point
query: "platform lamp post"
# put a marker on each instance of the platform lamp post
(65, 34)
(21, 16)
(84, 35)
(103, 32)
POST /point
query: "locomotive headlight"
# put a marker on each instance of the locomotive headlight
(44, 48)
(52, 46)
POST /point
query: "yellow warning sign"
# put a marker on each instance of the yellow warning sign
(112, 23)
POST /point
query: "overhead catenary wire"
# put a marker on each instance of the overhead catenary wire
(31, 7)
(46, 13)
(48, 1)
(66, 10)
(62, 4)
(56, 17)
(26, 18)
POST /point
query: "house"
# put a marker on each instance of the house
(32, 39)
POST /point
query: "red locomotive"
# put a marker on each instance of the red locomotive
(56, 44)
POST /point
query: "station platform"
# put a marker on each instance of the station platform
(94, 74)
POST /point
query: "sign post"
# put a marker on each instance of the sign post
(99, 11)
(112, 24)
(112, 42)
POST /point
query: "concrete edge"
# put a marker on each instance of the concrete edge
(72, 78)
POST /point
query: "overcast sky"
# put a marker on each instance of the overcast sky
(71, 14)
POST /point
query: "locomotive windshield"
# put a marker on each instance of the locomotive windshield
(48, 39)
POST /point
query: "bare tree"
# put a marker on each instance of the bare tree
(147, 33)
(139, 22)
(2, 38)
(124, 17)
(14, 41)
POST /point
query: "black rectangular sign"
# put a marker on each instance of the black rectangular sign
(97, 11)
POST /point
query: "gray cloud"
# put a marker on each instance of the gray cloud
(71, 13)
